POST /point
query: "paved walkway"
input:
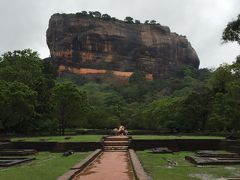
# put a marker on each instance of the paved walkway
(108, 166)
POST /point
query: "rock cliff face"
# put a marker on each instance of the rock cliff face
(85, 45)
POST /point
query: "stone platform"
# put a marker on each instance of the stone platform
(212, 160)
(6, 162)
(207, 157)
(17, 152)
(116, 143)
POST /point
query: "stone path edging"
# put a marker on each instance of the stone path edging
(80, 166)
(137, 167)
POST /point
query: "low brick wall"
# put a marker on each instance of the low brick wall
(55, 146)
(77, 168)
(230, 145)
(5, 145)
(139, 171)
(177, 144)
(174, 144)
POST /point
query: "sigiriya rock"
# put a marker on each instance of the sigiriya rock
(82, 44)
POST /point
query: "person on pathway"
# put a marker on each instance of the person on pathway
(121, 130)
(115, 131)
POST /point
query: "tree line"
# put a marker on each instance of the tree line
(32, 100)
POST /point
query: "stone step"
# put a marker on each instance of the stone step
(115, 147)
(232, 142)
(115, 143)
(234, 148)
(116, 150)
(110, 139)
(116, 138)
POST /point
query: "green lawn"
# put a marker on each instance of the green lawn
(47, 166)
(174, 137)
(158, 166)
(77, 138)
(96, 138)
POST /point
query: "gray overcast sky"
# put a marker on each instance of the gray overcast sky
(23, 23)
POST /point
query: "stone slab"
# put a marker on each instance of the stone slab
(6, 162)
(161, 150)
(220, 154)
(17, 152)
(212, 160)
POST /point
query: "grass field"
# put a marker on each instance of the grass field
(174, 137)
(77, 138)
(158, 166)
(47, 166)
(96, 138)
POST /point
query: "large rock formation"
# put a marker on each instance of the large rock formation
(86, 45)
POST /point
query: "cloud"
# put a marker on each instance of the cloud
(24, 22)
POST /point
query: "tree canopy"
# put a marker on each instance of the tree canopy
(232, 31)
(69, 105)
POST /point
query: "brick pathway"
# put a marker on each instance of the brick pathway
(108, 166)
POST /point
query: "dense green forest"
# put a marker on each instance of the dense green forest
(34, 98)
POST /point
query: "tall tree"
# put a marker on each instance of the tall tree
(225, 111)
(138, 77)
(70, 104)
(26, 67)
(17, 107)
(97, 14)
(137, 21)
(106, 17)
(232, 31)
(128, 19)
(195, 109)
(23, 66)
(153, 22)
(220, 78)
